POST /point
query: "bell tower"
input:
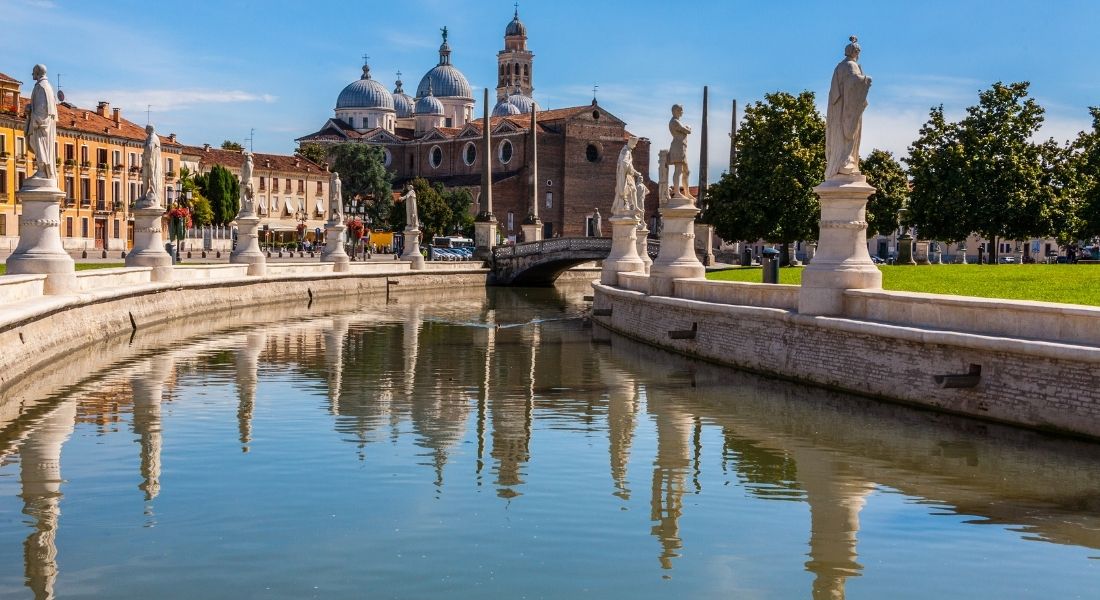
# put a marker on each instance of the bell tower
(514, 62)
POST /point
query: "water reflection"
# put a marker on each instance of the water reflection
(480, 375)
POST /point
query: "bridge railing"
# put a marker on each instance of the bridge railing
(550, 246)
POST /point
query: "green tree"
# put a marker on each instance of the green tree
(434, 211)
(363, 176)
(314, 152)
(891, 191)
(230, 145)
(1081, 173)
(781, 158)
(462, 221)
(222, 190)
(201, 214)
(984, 174)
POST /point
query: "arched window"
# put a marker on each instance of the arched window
(505, 152)
(525, 70)
(469, 153)
(592, 153)
(517, 68)
(435, 157)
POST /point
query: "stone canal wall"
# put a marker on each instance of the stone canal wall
(37, 330)
(1023, 363)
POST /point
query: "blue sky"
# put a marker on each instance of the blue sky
(215, 70)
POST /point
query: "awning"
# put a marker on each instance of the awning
(320, 206)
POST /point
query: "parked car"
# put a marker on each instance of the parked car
(877, 260)
(1008, 260)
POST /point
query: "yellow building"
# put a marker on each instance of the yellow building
(99, 156)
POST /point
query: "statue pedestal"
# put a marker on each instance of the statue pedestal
(333, 251)
(905, 251)
(148, 248)
(642, 235)
(708, 244)
(412, 249)
(485, 237)
(841, 261)
(40, 251)
(623, 257)
(247, 251)
(532, 229)
(920, 253)
(677, 259)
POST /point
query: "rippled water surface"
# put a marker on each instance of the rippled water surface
(488, 444)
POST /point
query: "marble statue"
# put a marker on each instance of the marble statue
(152, 168)
(335, 198)
(247, 191)
(640, 191)
(41, 126)
(844, 118)
(626, 178)
(597, 222)
(412, 221)
(677, 154)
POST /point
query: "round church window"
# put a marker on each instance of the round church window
(592, 153)
(505, 152)
(435, 157)
(469, 153)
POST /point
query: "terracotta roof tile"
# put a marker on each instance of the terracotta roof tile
(86, 120)
(209, 156)
(9, 79)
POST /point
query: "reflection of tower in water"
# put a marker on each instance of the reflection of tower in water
(148, 392)
(40, 474)
(512, 412)
(674, 430)
(247, 361)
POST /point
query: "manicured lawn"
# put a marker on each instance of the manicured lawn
(79, 266)
(1073, 284)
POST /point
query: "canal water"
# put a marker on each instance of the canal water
(492, 444)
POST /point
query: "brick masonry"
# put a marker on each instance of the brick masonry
(1030, 383)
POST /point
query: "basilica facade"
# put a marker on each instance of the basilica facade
(437, 135)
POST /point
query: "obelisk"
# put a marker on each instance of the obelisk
(485, 224)
(532, 225)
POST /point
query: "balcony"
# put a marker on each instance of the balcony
(101, 206)
(21, 159)
(85, 165)
(5, 155)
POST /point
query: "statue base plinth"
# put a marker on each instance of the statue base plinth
(642, 241)
(677, 259)
(485, 238)
(623, 257)
(40, 251)
(333, 251)
(412, 249)
(532, 230)
(841, 261)
(247, 251)
(148, 248)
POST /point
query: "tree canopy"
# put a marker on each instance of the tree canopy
(780, 159)
(984, 173)
(231, 145)
(222, 190)
(441, 211)
(314, 152)
(891, 191)
(363, 176)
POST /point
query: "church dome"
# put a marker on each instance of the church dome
(429, 105)
(402, 102)
(504, 108)
(516, 27)
(444, 78)
(524, 103)
(365, 93)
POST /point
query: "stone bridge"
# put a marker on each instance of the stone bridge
(540, 263)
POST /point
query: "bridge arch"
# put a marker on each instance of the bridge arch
(540, 263)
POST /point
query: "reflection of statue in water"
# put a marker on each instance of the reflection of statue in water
(626, 180)
(152, 169)
(677, 154)
(412, 221)
(844, 118)
(41, 126)
(335, 198)
(247, 191)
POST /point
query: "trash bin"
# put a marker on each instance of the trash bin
(746, 257)
(770, 264)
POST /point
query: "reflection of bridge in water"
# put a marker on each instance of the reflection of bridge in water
(381, 366)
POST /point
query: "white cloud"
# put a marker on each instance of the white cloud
(167, 99)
